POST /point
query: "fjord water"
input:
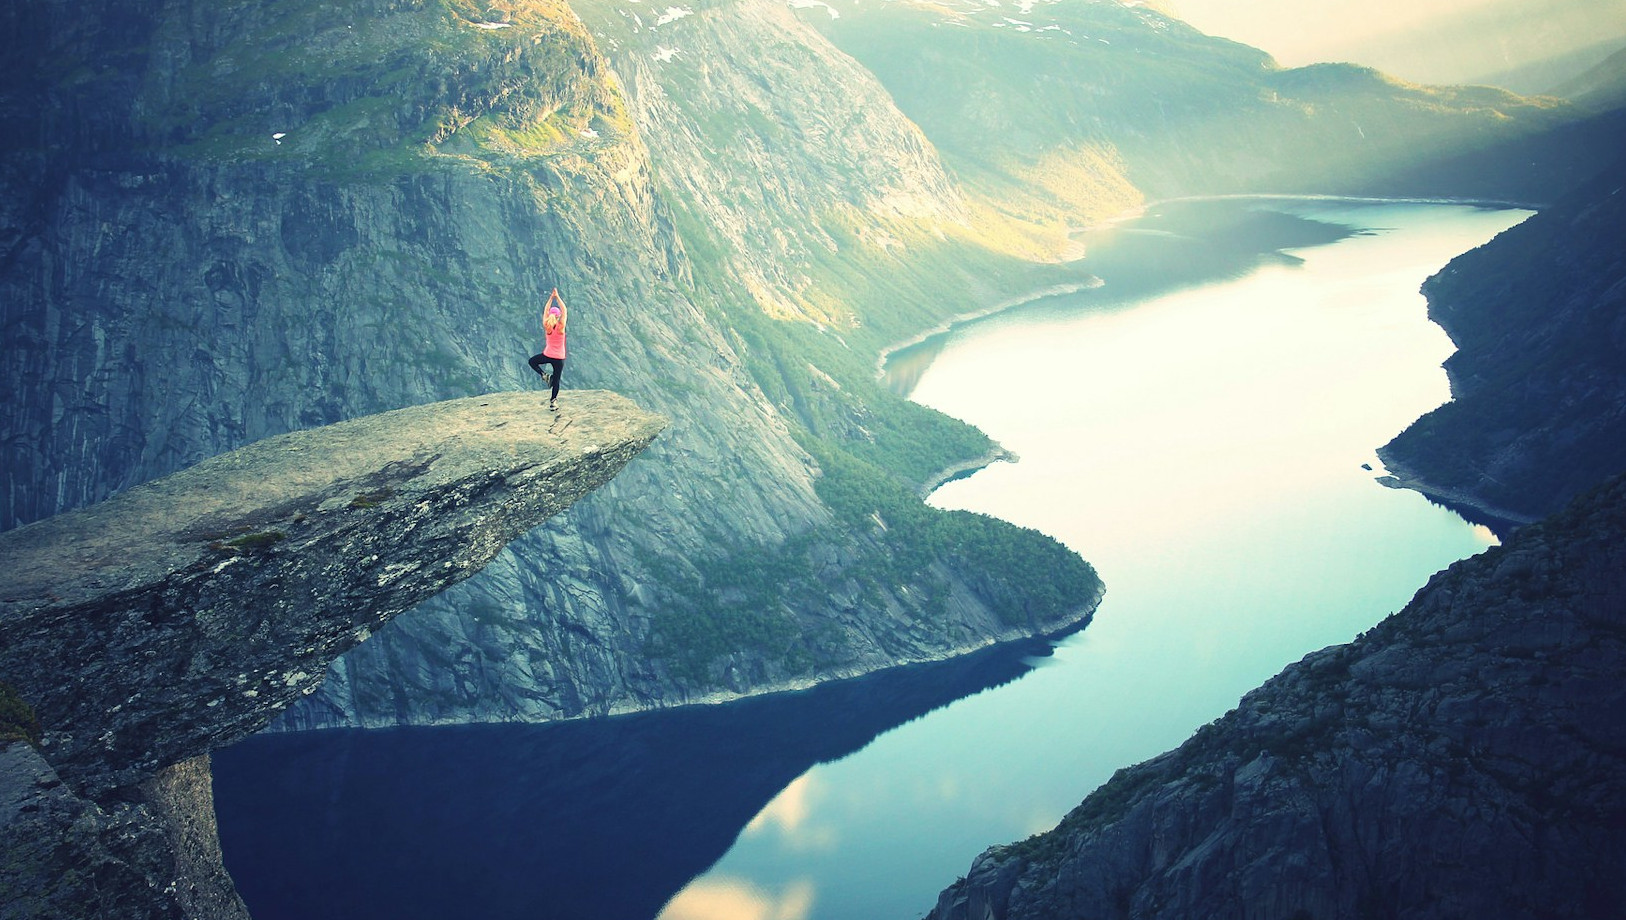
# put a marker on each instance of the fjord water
(1196, 428)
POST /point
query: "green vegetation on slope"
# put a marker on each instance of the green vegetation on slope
(374, 88)
(17, 719)
(890, 552)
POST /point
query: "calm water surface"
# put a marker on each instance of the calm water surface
(1200, 442)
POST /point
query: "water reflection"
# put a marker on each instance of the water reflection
(787, 816)
(604, 819)
(737, 899)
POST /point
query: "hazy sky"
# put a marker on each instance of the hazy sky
(1430, 41)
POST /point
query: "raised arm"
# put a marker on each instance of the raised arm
(564, 311)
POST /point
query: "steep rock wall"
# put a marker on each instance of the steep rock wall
(789, 149)
(1462, 758)
(1538, 382)
(231, 220)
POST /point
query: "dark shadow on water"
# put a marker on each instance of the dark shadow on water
(1174, 245)
(603, 819)
(904, 367)
(1178, 244)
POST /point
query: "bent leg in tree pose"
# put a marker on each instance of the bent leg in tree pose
(554, 316)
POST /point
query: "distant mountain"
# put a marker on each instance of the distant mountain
(1069, 104)
(1602, 87)
(1552, 76)
(1539, 377)
(1521, 46)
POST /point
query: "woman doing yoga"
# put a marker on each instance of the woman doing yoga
(553, 346)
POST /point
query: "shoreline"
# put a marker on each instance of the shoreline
(1492, 203)
(948, 474)
(947, 325)
(1075, 621)
(1094, 282)
(1399, 479)
(1469, 507)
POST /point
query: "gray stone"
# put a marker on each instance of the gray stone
(184, 613)
(1436, 767)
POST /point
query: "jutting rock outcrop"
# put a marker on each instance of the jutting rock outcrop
(182, 614)
(1461, 759)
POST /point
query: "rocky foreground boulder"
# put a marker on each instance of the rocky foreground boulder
(185, 613)
(1464, 758)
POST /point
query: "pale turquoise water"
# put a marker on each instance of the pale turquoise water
(1202, 446)
(1204, 450)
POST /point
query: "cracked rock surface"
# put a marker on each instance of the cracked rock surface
(184, 613)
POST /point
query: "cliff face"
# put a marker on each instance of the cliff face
(64, 855)
(1462, 758)
(231, 220)
(785, 148)
(184, 613)
(1539, 377)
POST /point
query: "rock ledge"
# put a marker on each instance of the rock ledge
(184, 613)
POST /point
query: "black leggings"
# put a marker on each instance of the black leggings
(558, 370)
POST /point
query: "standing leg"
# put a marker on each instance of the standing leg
(558, 372)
